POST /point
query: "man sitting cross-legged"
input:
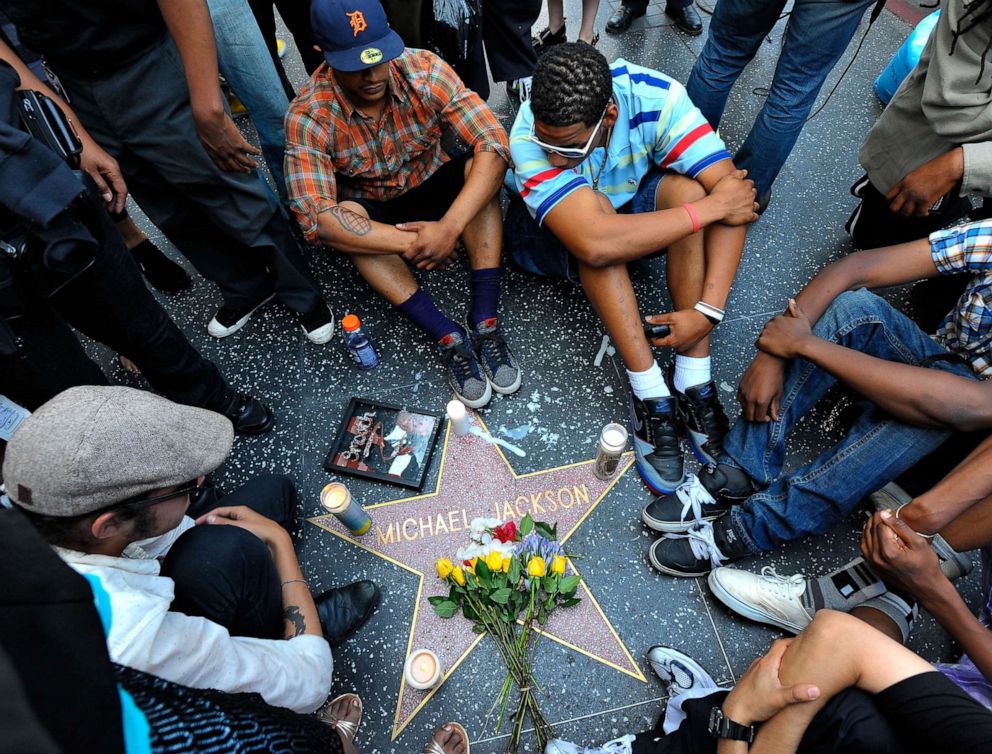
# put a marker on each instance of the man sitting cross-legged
(612, 164)
(913, 389)
(912, 552)
(107, 476)
(368, 175)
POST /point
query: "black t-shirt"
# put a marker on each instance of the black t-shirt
(86, 36)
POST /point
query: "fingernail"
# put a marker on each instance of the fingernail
(886, 515)
(447, 727)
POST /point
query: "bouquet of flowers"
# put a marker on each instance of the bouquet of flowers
(509, 577)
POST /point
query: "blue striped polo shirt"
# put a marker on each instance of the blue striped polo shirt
(657, 126)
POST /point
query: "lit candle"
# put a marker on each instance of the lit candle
(423, 670)
(459, 417)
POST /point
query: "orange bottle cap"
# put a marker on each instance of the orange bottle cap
(350, 323)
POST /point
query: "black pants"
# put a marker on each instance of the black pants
(296, 14)
(506, 34)
(226, 574)
(110, 304)
(641, 6)
(850, 723)
(226, 224)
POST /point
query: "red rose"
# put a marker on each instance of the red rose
(506, 533)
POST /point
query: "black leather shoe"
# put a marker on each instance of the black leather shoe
(344, 610)
(249, 415)
(686, 19)
(621, 19)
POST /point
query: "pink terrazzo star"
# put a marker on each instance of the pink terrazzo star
(476, 480)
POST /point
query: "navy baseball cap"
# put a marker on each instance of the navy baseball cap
(354, 34)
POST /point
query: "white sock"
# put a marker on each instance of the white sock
(648, 384)
(691, 371)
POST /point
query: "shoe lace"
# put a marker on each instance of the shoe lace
(702, 544)
(693, 497)
(783, 587)
(493, 347)
(459, 359)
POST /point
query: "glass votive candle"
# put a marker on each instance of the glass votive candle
(422, 669)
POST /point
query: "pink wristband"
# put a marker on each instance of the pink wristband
(692, 216)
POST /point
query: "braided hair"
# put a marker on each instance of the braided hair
(572, 83)
(975, 14)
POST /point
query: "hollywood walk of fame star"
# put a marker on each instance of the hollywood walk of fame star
(474, 480)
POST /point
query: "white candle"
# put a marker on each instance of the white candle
(459, 417)
(423, 670)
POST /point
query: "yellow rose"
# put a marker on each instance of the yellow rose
(504, 566)
(471, 565)
(536, 568)
(558, 565)
(494, 560)
(458, 576)
(444, 567)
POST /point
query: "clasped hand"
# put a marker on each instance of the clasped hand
(434, 246)
(688, 327)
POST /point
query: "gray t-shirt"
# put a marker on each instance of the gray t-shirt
(938, 107)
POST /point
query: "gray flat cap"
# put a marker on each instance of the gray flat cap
(90, 447)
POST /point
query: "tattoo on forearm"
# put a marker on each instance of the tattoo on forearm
(351, 221)
(294, 617)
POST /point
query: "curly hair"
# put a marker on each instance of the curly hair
(572, 83)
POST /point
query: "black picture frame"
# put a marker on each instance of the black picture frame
(374, 437)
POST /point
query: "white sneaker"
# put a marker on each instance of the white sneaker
(678, 671)
(228, 321)
(765, 598)
(616, 746)
(521, 87)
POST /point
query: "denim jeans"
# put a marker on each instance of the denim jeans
(817, 34)
(875, 451)
(226, 574)
(245, 62)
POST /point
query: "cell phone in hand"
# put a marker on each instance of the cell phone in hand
(653, 332)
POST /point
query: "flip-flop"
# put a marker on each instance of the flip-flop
(347, 728)
(433, 747)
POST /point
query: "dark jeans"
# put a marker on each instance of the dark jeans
(226, 574)
(226, 224)
(110, 304)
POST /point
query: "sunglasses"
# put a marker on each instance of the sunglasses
(571, 153)
(190, 489)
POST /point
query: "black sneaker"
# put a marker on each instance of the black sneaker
(657, 450)
(164, 274)
(318, 324)
(464, 371)
(704, 420)
(498, 361)
(702, 498)
(702, 548)
(248, 414)
(228, 320)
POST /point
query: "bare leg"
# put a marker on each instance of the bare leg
(686, 264)
(972, 529)
(612, 296)
(483, 235)
(388, 274)
(589, 10)
(878, 620)
(836, 652)
(556, 15)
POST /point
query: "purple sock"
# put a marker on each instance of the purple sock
(426, 316)
(485, 294)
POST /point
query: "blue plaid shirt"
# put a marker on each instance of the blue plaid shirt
(967, 329)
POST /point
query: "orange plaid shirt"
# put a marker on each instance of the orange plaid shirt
(333, 151)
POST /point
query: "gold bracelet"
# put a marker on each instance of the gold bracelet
(295, 581)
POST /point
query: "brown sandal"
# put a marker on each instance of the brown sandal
(433, 747)
(347, 728)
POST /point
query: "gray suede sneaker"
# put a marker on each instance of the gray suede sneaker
(497, 360)
(464, 373)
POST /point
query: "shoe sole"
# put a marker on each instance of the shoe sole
(222, 332)
(672, 527)
(669, 570)
(745, 610)
(478, 402)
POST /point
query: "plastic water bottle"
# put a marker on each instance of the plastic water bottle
(905, 59)
(358, 344)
